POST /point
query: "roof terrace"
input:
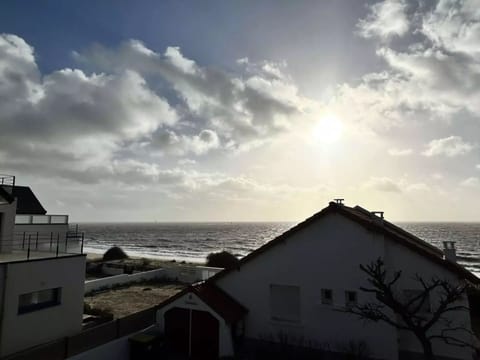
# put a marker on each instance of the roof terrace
(7, 184)
(32, 219)
(35, 246)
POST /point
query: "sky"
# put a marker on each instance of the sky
(242, 110)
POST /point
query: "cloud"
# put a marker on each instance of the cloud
(470, 182)
(256, 103)
(70, 104)
(19, 74)
(186, 162)
(135, 108)
(175, 57)
(385, 20)
(69, 121)
(400, 152)
(418, 187)
(454, 25)
(168, 141)
(450, 146)
(384, 184)
(431, 76)
(478, 166)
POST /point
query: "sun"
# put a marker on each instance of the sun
(329, 129)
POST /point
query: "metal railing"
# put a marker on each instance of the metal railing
(41, 219)
(7, 182)
(29, 245)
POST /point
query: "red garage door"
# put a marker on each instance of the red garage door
(177, 322)
(204, 330)
(204, 335)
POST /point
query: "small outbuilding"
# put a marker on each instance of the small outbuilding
(199, 322)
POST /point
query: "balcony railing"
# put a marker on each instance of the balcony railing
(7, 182)
(34, 245)
(41, 219)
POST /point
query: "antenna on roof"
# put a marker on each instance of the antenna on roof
(339, 201)
(378, 213)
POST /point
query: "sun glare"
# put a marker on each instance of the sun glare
(328, 129)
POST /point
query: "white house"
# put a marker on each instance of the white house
(294, 288)
(42, 272)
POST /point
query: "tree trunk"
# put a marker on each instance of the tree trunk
(427, 347)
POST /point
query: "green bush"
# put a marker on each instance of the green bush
(222, 259)
(114, 253)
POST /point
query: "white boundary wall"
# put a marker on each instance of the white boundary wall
(118, 349)
(122, 279)
(186, 274)
(190, 274)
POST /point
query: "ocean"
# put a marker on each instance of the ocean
(192, 242)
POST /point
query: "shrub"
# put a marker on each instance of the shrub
(103, 313)
(114, 253)
(355, 350)
(145, 263)
(222, 259)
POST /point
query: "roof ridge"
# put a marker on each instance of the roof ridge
(370, 221)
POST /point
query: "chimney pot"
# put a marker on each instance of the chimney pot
(449, 251)
(339, 201)
(378, 213)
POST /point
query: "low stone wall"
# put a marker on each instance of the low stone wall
(185, 274)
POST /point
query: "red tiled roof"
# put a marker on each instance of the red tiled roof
(371, 222)
(222, 303)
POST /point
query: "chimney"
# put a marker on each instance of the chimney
(339, 201)
(378, 213)
(449, 251)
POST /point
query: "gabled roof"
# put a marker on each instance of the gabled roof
(373, 223)
(222, 303)
(27, 202)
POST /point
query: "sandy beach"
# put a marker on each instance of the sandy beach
(147, 262)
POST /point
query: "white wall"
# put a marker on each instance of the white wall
(118, 349)
(193, 302)
(186, 274)
(396, 258)
(327, 254)
(190, 274)
(45, 231)
(25, 330)
(122, 279)
(7, 212)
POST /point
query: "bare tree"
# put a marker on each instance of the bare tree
(413, 312)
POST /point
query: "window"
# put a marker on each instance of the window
(285, 303)
(38, 300)
(417, 295)
(327, 296)
(350, 298)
